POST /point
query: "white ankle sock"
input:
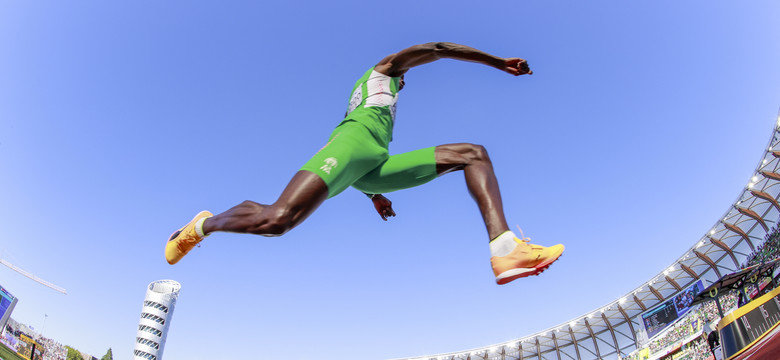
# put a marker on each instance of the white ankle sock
(503, 244)
(199, 227)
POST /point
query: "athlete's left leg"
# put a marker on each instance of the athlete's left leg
(480, 180)
(512, 258)
(417, 167)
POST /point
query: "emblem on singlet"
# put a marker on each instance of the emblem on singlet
(330, 163)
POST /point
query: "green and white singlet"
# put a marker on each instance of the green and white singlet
(372, 103)
(357, 151)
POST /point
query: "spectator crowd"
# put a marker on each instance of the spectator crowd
(12, 338)
(767, 251)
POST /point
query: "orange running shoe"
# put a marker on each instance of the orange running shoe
(525, 260)
(184, 239)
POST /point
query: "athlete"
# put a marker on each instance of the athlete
(356, 155)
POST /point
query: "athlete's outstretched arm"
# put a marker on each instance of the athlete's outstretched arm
(399, 63)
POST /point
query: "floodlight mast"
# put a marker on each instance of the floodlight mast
(33, 277)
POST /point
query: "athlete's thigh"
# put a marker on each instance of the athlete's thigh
(350, 153)
(400, 171)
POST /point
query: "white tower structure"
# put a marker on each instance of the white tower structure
(156, 317)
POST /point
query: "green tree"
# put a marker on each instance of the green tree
(108, 355)
(73, 354)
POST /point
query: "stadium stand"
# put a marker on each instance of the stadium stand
(53, 350)
(767, 251)
(688, 334)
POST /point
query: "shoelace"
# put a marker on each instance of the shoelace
(527, 240)
(523, 238)
(182, 246)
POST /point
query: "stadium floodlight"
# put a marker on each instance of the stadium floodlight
(33, 277)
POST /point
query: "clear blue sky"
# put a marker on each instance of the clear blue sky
(119, 121)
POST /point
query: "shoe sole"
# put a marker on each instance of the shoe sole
(514, 274)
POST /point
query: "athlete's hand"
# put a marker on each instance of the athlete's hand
(517, 66)
(383, 206)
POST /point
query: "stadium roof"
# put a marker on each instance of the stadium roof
(616, 328)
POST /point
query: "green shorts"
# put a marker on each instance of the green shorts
(354, 157)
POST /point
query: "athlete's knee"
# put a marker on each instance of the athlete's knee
(476, 153)
(274, 221)
(452, 157)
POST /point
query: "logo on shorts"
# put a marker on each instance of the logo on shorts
(330, 163)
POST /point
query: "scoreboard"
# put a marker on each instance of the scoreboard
(661, 316)
(7, 303)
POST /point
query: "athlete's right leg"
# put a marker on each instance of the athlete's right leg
(347, 156)
(303, 194)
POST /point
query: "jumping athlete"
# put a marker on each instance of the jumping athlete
(357, 155)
